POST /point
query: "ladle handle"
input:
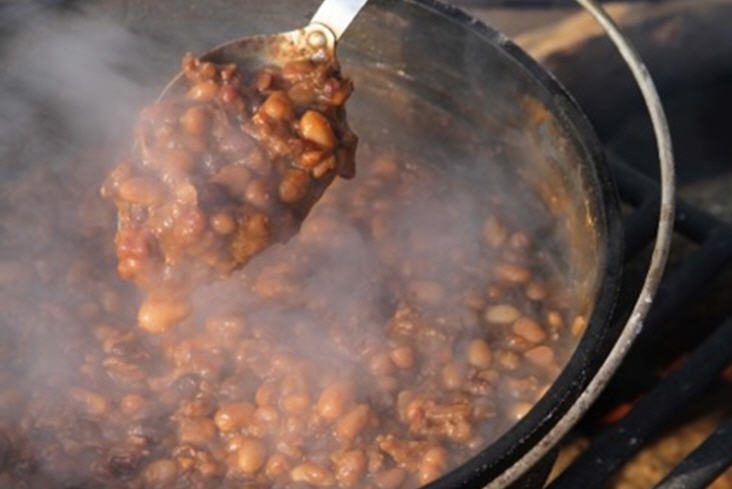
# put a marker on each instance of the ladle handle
(337, 15)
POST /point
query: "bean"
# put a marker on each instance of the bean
(494, 232)
(427, 292)
(223, 223)
(142, 191)
(403, 357)
(529, 329)
(203, 91)
(390, 479)
(263, 80)
(542, 356)
(514, 274)
(554, 319)
(258, 194)
(333, 400)
(294, 186)
(302, 93)
(233, 416)
(351, 424)
(451, 376)
(536, 291)
(278, 106)
(578, 325)
(508, 360)
(234, 178)
(479, 354)
(313, 474)
(157, 315)
(276, 465)
(251, 456)
(501, 314)
(327, 164)
(519, 410)
(131, 404)
(380, 364)
(94, 404)
(296, 403)
(160, 473)
(315, 127)
(195, 121)
(350, 467)
(197, 430)
(266, 395)
(432, 465)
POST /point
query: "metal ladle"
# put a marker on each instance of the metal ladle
(316, 41)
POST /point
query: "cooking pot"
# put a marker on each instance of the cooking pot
(435, 83)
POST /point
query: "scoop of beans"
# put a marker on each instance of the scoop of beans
(189, 209)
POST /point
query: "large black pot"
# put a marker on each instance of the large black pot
(430, 80)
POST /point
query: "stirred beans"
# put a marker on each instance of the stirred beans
(205, 164)
(366, 353)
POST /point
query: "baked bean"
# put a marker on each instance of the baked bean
(536, 291)
(276, 466)
(199, 430)
(380, 364)
(160, 473)
(451, 376)
(432, 465)
(257, 194)
(508, 360)
(494, 232)
(426, 292)
(263, 80)
(479, 354)
(278, 106)
(142, 191)
(529, 329)
(519, 240)
(333, 400)
(542, 355)
(158, 315)
(501, 314)
(234, 178)
(403, 357)
(131, 404)
(514, 274)
(350, 425)
(315, 127)
(203, 91)
(313, 474)
(251, 456)
(195, 121)
(578, 325)
(390, 479)
(233, 416)
(294, 186)
(519, 410)
(296, 403)
(350, 467)
(93, 404)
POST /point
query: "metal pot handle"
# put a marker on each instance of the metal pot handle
(658, 260)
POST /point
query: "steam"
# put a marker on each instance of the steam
(70, 89)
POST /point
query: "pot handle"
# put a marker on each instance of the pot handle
(664, 233)
(337, 15)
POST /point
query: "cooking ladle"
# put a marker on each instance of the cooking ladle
(316, 41)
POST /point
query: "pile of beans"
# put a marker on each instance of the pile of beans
(222, 171)
(409, 323)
